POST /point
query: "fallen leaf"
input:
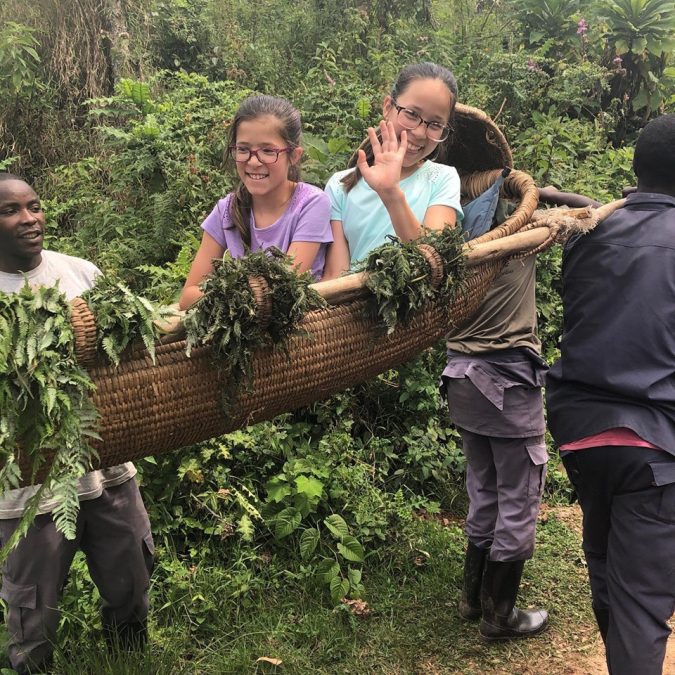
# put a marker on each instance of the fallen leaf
(269, 659)
(358, 607)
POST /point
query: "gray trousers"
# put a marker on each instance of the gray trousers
(505, 481)
(627, 495)
(113, 531)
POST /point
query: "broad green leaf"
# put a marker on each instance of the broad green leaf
(277, 490)
(286, 522)
(309, 486)
(327, 569)
(351, 549)
(339, 587)
(309, 540)
(337, 525)
(354, 576)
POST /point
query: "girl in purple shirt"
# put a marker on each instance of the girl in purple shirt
(270, 206)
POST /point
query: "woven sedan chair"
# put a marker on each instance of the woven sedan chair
(149, 409)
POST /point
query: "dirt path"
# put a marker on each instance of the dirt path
(594, 663)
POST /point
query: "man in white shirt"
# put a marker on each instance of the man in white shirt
(113, 529)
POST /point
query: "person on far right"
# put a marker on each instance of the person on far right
(611, 407)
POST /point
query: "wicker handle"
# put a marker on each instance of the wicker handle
(517, 184)
(262, 293)
(433, 257)
(521, 244)
(84, 327)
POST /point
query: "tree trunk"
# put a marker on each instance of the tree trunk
(115, 22)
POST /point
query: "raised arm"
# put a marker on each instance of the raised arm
(384, 177)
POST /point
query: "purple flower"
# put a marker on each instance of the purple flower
(532, 65)
(617, 61)
(582, 26)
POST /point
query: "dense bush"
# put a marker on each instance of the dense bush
(158, 171)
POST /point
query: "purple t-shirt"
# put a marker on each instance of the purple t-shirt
(306, 218)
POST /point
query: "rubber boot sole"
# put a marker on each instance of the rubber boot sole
(513, 636)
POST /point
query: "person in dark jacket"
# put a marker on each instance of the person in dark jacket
(611, 407)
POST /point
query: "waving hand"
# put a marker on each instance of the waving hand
(388, 153)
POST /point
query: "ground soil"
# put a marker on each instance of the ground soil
(594, 663)
(588, 658)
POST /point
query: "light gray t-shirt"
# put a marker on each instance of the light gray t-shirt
(73, 276)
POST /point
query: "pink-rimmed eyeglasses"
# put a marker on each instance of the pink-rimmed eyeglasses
(242, 154)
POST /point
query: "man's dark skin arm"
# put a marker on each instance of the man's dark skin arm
(550, 195)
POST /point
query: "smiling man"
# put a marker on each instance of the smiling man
(113, 529)
(22, 224)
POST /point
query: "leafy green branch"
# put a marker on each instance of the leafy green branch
(228, 318)
(400, 277)
(122, 317)
(45, 409)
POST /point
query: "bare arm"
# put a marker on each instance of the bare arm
(337, 258)
(384, 178)
(201, 267)
(440, 216)
(302, 254)
(550, 195)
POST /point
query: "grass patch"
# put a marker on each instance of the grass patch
(412, 627)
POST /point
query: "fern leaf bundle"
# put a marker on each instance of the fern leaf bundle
(45, 410)
(122, 317)
(399, 276)
(227, 316)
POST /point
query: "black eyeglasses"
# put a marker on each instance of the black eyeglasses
(242, 154)
(410, 120)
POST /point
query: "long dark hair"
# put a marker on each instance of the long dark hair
(415, 71)
(290, 128)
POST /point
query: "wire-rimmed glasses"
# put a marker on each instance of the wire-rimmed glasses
(410, 120)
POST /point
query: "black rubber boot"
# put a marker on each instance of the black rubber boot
(474, 564)
(602, 617)
(502, 620)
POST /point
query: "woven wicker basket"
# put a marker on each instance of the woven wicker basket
(149, 409)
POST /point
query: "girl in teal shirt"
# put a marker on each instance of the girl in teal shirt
(396, 186)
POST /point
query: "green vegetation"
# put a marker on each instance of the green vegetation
(228, 317)
(118, 113)
(263, 605)
(400, 278)
(45, 409)
(122, 318)
(44, 404)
